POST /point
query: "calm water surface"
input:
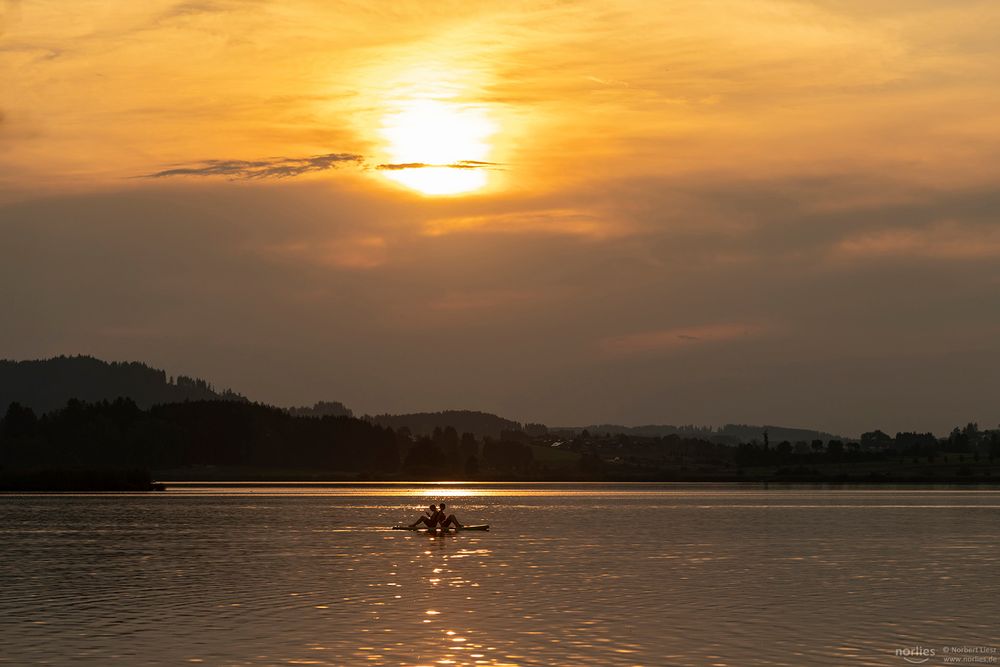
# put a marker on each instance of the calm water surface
(568, 575)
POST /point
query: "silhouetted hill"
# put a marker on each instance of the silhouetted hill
(729, 434)
(480, 424)
(110, 445)
(47, 384)
(119, 435)
(322, 409)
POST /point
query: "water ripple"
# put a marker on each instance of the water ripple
(696, 577)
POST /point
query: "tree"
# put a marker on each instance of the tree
(471, 466)
(18, 422)
(447, 440)
(424, 456)
(590, 463)
(468, 446)
(874, 438)
(507, 456)
(835, 449)
(958, 441)
(971, 432)
(386, 457)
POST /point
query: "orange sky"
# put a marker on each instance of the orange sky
(566, 212)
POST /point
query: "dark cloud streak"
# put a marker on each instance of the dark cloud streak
(279, 167)
(287, 167)
(461, 164)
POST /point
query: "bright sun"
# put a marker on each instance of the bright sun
(442, 141)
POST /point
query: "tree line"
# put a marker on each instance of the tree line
(119, 434)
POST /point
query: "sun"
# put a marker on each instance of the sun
(438, 147)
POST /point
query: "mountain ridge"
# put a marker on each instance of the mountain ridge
(47, 384)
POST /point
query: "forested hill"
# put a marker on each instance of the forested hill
(730, 434)
(47, 384)
(480, 424)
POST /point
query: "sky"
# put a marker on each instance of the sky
(753, 211)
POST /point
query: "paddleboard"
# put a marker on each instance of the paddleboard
(484, 526)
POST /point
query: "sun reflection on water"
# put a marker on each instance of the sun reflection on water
(435, 590)
(450, 492)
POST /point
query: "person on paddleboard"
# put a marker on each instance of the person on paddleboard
(433, 516)
(447, 519)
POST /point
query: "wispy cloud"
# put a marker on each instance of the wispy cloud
(671, 339)
(276, 167)
(10, 13)
(483, 299)
(563, 222)
(355, 252)
(286, 167)
(193, 8)
(945, 241)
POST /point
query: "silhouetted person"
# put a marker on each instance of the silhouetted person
(450, 520)
(432, 518)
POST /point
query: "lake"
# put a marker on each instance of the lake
(569, 574)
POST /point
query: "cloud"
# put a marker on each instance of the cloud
(278, 167)
(193, 8)
(286, 167)
(358, 252)
(675, 338)
(563, 222)
(461, 164)
(10, 13)
(949, 240)
(634, 328)
(484, 300)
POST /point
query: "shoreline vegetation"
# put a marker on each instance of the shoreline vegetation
(105, 481)
(183, 429)
(118, 446)
(76, 480)
(821, 474)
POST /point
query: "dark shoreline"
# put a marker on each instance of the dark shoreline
(77, 480)
(138, 480)
(251, 475)
(173, 485)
